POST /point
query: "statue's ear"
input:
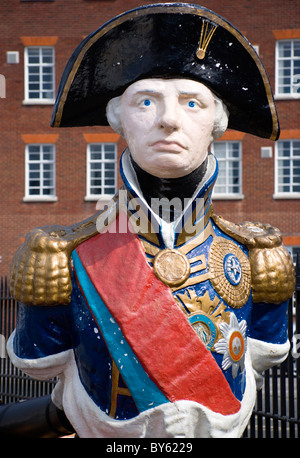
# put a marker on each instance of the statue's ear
(113, 115)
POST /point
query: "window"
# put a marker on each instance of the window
(40, 172)
(229, 182)
(39, 74)
(101, 170)
(294, 251)
(287, 168)
(288, 68)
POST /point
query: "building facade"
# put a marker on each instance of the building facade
(51, 175)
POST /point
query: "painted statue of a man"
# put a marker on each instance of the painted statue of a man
(162, 329)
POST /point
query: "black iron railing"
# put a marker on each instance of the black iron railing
(15, 386)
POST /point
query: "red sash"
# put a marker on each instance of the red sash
(154, 326)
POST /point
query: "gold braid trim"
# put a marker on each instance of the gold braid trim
(41, 268)
(272, 270)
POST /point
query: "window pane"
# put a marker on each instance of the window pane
(34, 95)
(34, 87)
(284, 72)
(34, 166)
(109, 148)
(284, 49)
(47, 86)
(95, 166)
(296, 148)
(33, 56)
(95, 191)
(47, 95)
(96, 182)
(33, 79)
(109, 182)
(283, 179)
(220, 150)
(34, 148)
(233, 189)
(96, 156)
(283, 149)
(283, 163)
(34, 175)
(109, 166)
(96, 174)
(109, 156)
(95, 147)
(33, 70)
(47, 70)
(234, 150)
(296, 67)
(109, 173)
(47, 56)
(297, 48)
(34, 192)
(34, 156)
(33, 183)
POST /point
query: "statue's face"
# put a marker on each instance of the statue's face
(168, 124)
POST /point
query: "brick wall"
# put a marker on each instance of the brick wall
(68, 22)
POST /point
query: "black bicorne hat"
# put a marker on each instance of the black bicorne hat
(169, 40)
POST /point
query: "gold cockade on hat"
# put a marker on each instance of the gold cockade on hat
(205, 38)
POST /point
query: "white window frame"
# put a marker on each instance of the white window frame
(102, 196)
(40, 100)
(227, 195)
(279, 194)
(294, 82)
(39, 197)
(293, 249)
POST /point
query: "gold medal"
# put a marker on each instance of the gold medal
(172, 267)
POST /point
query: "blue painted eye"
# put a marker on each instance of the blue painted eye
(192, 104)
(147, 102)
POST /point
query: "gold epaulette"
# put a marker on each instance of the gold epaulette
(272, 270)
(41, 269)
